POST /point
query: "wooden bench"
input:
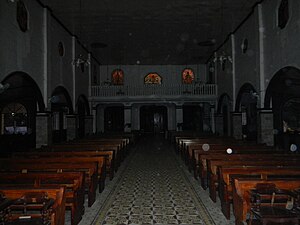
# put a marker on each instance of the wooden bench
(90, 170)
(212, 166)
(56, 211)
(72, 181)
(70, 156)
(263, 172)
(272, 205)
(241, 194)
(86, 150)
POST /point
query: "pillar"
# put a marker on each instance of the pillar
(265, 128)
(100, 119)
(219, 124)
(71, 122)
(179, 117)
(135, 117)
(237, 132)
(127, 119)
(88, 125)
(43, 129)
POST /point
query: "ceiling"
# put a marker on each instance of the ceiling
(151, 32)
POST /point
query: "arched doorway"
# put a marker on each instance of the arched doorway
(19, 104)
(246, 103)
(283, 96)
(153, 119)
(61, 105)
(83, 110)
(192, 117)
(224, 108)
(114, 118)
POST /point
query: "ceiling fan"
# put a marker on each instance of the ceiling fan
(3, 87)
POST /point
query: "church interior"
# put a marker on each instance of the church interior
(149, 112)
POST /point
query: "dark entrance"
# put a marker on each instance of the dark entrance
(61, 105)
(19, 103)
(192, 118)
(283, 96)
(114, 119)
(153, 119)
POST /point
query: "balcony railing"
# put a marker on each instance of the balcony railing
(162, 90)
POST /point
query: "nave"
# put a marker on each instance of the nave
(153, 186)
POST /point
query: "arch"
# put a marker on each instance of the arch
(224, 98)
(152, 78)
(60, 96)
(61, 104)
(187, 76)
(284, 87)
(22, 90)
(223, 109)
(22, 85)
(82, 100)
(247, 88)
(246, 103)
(285, 82)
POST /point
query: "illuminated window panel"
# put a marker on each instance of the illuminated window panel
(117, 77)
(152, 78)
(187, 76)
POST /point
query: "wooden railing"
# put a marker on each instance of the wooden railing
(162, 90)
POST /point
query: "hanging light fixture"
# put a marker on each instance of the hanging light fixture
(80, 60)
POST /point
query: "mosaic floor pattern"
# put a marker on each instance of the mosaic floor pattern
(153, 189)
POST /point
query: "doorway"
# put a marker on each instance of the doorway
(153, 119)
(192, 118)
(114, 119)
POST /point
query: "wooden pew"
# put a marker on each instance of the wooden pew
(72, 181)
(99, 157)
(263, 172)
(5, 162)
(251, 159)
(240, 149)
(206, 170)
(90, 170)
(241, 193)
(57, 213)
(87, 150)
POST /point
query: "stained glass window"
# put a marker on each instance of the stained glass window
(187, 76)
(283, 14)
(117, 77)
(152, 78)
(14, 119)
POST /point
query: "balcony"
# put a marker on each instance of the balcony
(171, 92)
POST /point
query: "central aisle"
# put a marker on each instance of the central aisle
(152, 189)
(153, 186)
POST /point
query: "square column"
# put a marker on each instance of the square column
(219, 124)
(127, 119)
(43, 129)
(71, 121)
(179, 118)
(265, 128)
(88, 129)
(237, 132)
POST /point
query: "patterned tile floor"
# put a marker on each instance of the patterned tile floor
(153, 187)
